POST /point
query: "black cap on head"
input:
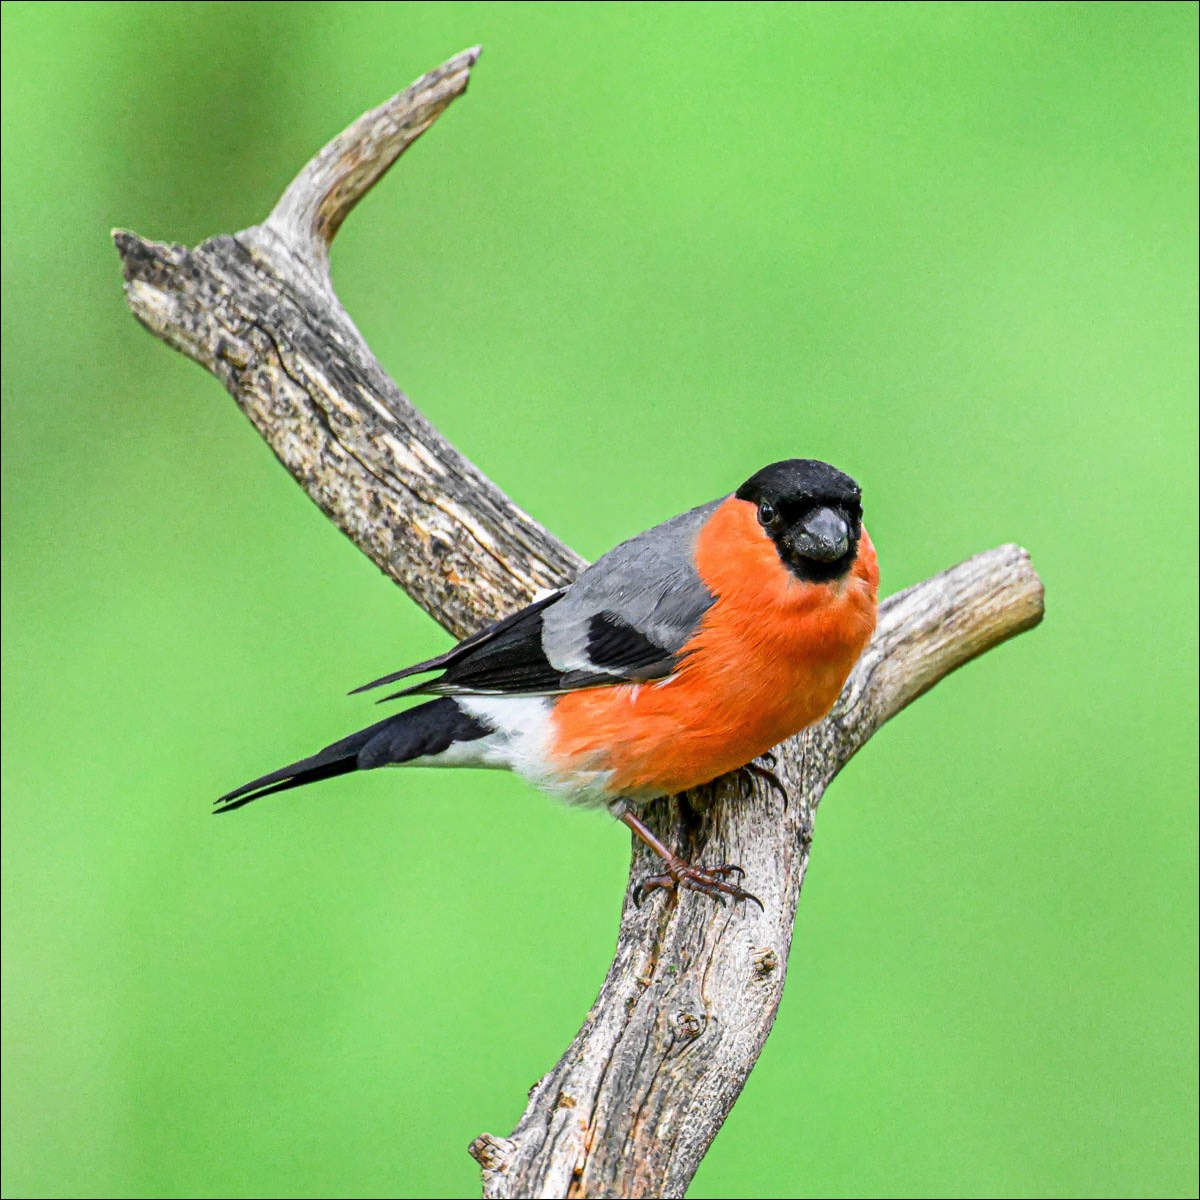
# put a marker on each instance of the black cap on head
(800, 478)
(813, 514)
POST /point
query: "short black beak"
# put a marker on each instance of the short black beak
(823, 535)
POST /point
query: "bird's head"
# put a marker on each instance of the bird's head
(813, 514)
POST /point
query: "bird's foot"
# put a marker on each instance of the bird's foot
(682, 876)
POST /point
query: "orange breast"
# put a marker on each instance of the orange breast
(769, 658)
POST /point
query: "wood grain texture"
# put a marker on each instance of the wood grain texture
(693, 988)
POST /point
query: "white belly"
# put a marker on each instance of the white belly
(519, 741)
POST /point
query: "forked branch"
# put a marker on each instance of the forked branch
(692, 991)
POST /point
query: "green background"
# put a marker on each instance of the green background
(950, 248)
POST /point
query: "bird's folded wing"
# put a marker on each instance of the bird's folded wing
(626, 619)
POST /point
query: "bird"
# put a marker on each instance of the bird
(683, 654)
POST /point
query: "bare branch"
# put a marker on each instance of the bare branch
(319, 199)
(249, 308)
(692, 992)
(933, 628)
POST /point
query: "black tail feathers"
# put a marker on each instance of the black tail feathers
(418, 732)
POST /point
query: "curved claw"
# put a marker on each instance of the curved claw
(767, 775)
(723, 870)
(650, 884)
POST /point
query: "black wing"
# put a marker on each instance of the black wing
(507, 644)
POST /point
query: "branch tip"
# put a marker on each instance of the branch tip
(312, 209)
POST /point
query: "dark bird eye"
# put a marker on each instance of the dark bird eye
(766, 513)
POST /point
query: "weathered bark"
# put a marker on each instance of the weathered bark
(693, 989)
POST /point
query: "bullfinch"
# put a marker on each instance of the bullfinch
(681, 655)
